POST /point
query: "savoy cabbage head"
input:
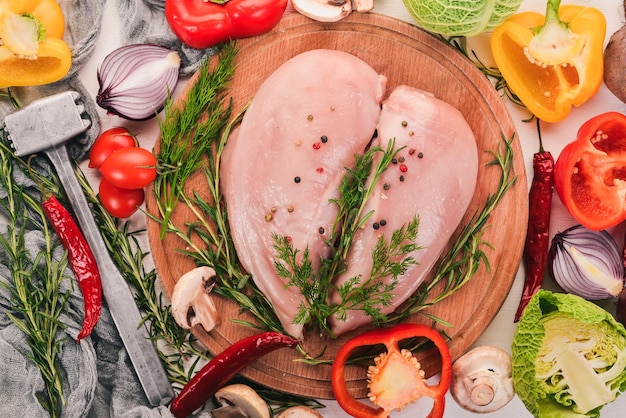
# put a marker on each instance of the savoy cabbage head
(460, 17)
(569, 357)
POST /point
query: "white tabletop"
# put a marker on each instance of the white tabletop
(555, 137)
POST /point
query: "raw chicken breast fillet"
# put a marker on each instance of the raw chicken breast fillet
(434, 178)
(279, 171)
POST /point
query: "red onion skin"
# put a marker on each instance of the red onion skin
(566, 283)
(120, 64)
(620, 313)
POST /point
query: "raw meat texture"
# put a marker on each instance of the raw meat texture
(439, 167)
(278, 173)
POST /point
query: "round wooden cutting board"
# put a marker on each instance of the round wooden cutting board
(406, 55)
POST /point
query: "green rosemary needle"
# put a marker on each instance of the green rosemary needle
(37, 300)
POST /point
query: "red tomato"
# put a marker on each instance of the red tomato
(120, 203)
(130, 168)
(108, 142)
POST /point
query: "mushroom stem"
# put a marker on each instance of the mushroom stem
(481, 380)
(482, 393)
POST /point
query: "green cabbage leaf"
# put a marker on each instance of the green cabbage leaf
(568, 356)
(460, 17)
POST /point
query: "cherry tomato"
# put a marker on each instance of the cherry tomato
(120, 203)
(130, 168)
(108, 142)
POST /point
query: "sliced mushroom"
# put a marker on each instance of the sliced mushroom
(323, 10)
(191, 303)
(240, 401)
(299, 411)
(481, 379)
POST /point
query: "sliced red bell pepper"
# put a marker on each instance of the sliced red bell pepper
(396, 379)
(590, 172)
(206, 23)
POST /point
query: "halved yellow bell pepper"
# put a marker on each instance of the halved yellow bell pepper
(552, 62)
(31, 49)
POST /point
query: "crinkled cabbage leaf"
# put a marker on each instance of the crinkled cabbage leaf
(460, 18)
(568, 355)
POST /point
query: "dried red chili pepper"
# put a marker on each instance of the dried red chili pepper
(397, 379)
(223, 367)
(80, 258)
(537, 245)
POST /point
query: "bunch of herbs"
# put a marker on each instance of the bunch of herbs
(37, 300)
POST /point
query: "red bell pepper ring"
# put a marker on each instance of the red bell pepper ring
(205, 23)
(396, 380)
(590, 172)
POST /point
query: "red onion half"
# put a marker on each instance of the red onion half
(136, 80)
(587, 263)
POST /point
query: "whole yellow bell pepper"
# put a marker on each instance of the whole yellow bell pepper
(552, 62)
(31, 49)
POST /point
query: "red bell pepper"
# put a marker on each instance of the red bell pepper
(396, 379)
(205, 23)
(590, 172)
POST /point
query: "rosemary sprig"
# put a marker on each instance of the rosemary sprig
(37, 300)
(216, 248)
(174, 344)
(180, 352)
(465, 256)
(189, 129)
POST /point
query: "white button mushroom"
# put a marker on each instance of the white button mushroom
(299, 411)
(191, 303)
(481, 379)
(323, 10)
(240, 401)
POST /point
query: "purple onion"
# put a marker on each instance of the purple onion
(587, 263)
(136, 80)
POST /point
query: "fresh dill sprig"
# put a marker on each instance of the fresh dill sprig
(390, 260)
(215, 247)
(37, 300)
(465, 256)
(189, 130)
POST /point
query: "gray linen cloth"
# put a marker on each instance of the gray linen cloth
(98, 378)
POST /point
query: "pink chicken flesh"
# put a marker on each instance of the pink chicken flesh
(285, 162)
(304, 126)
(433, 178)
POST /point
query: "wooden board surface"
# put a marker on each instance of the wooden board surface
(406, 55)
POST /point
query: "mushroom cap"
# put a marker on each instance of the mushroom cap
(299, 411)
(241, 401)
(323, 10)
(191, 303)
(482, 379)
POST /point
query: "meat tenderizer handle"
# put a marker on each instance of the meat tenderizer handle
(117, 293)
